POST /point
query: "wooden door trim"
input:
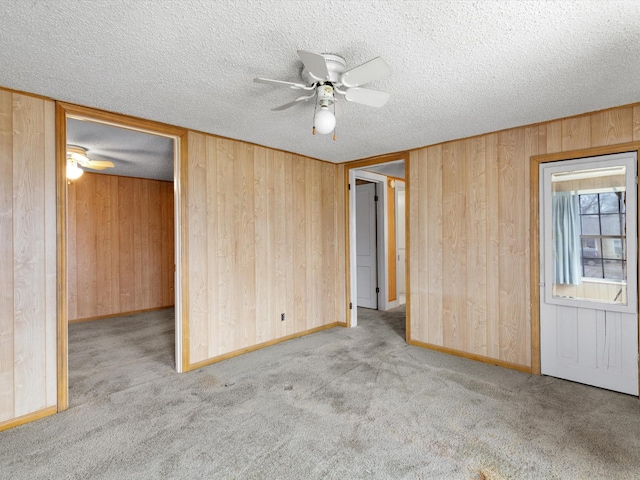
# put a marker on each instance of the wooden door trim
(534, 239)
(64, 111)
(358, 164)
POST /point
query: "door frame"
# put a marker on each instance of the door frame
(64, 111)
(381, 234)
(534, 239)
(351, 173)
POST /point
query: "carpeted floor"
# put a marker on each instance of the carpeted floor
(340, 404)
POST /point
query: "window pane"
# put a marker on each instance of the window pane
(591, 248)
(611, 224)
(612, 248)
(613, 270)
(609, 202)
(623, 201)
(590, 225)
(592, 267)
(589, 203)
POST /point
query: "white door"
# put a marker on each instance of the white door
(401, 245)
(588, 284)
(366, 262)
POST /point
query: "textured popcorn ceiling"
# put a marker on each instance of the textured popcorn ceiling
(460, 68)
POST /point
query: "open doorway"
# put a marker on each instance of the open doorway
(119, 249)
(376, 237)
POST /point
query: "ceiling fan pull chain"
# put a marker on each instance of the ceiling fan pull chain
(315, 107)
(334, 114)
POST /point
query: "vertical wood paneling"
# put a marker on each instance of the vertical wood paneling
(340, 255)
(492, 242)
(476, 216)
(512, 245)
(531, 148)
(155, 245)
(431, 201)
(419, 317)
(454, 243)
(270, 246)
(576, 133)
(120, 248)
(636, 123)
(101, 215)
(485, 232)
(28, 277)
(6, 257)
(612, 126)
(227, 275)
(207, 335)
(29, 255)
(51, 264)
(263, 242)
(197, 231)
(290, 241)
(277, 229)
(327, 210)
(245, 238)
(300, 257)
(126, 274)
(168, 244)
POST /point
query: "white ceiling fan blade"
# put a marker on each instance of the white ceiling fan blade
(365, 96)
(291, 104)
(367, 72)
(315, 64)
(281, 83)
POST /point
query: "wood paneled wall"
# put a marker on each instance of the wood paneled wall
(469, 232)
(27, 257)
(120, 245)
(263, 231)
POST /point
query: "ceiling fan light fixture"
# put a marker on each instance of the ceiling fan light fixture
(324, 121)
(74, 172)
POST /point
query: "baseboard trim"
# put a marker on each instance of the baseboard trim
(472, 356)
(235, 353)
(121, 314)
(29, 417)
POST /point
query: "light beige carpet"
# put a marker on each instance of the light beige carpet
(340, 404)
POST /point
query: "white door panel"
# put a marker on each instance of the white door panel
(587, 339)
(366, 262)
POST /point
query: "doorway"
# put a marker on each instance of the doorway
(131, 194)
(588, 271)
(373, 230)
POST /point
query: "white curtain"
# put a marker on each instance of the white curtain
(567, 246)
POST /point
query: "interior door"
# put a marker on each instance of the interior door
(588, 297)
(366, 262)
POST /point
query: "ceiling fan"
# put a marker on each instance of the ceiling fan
(324, 76)
(77, 157)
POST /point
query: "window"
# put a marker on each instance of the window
(602, 220)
